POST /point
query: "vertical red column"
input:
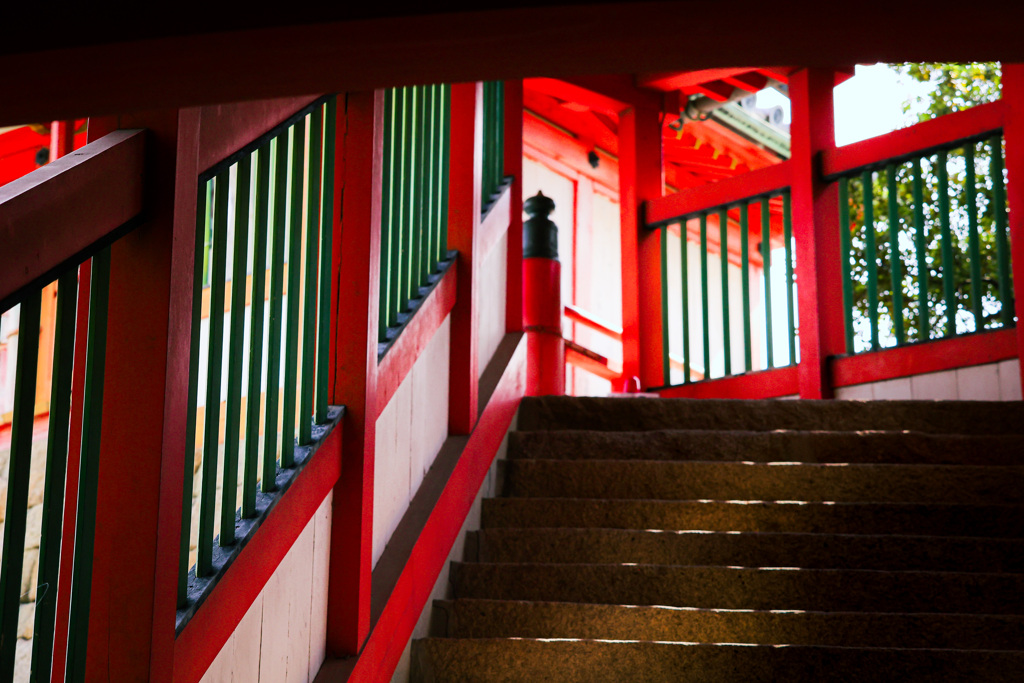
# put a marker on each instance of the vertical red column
(641, 177)
(142, 457)
(542, 301)
(1013, 131)
(514, 168)
(357, 230)
(464, 187)
(815, 230)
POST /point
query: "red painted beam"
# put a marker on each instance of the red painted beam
(57, 212)
(921, 137)
(686, 79)
(764, 384)
(752, 82)
(586, 319)
(216, 619)
(393, 629)
(620, 87)
(463, 235)
(554, 147)
(357, 196)
(228, 128)
(919, 359)
(400, 358)
(1013, 94)
(570, 92)
(594, 363)
(693, 200)
(514, 96)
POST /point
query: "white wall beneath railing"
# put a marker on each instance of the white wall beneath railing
(492, 302)
(989, 382)
(283, 636)
(410, 431)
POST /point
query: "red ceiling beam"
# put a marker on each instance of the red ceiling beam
(59, 211)
(685, 79)
(570, 92)
(752, 82)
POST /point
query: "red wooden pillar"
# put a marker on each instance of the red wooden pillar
(357, 196)
(542, 301)
(465, 177)
(514, 168)
(641, 178)
(815, 230)
(1013, 131)
(142, 448)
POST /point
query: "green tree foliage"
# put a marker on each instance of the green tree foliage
(955, 87)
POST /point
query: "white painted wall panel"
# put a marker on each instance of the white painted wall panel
(898, 389)
(978, 383)
(492, 302)
(283, 634)
(935, 385)
(989, 382)
(858, 392)
(1009, 380)
(410, 432)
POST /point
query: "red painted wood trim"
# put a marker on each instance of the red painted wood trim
(495, 224)
(393, 629)
(923, 136)
(592, 362)
(228, 128)
(815, 206)
(401, 357)
(1013, 94)
(676, 80)
(765, 384)
(465, 173)
(514, 168)
(919, 359)
(357, 195)
(586, 319)
(725, 191)
(175, 451)
(641, 179)
(214, 622)
(59, 210)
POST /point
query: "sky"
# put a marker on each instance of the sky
(869, 104)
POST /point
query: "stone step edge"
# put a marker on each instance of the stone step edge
(771, 534)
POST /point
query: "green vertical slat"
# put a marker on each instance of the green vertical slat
(401, 208)
(291, 357)
(20, 467)
(88, 470)
(250, 473)
(706, 333)
(429, 179)
(56, 473)
(199, 269)
(236, 350)
(387, 212)
(446, 127)
(309, 319)
(485, 171)
(422, 267)
(323, 350)
(748, 363)
(948, 273)
(684, 275)
(207, 500)
(844, 259)
(499, 134)
(894, 253)
(269, 478)
(973, 246)
(921, 249)
(411, 201)
(787, 234)
(723, 247)
(666, 369)
(999, 221)
(766, 265)
(870, 253)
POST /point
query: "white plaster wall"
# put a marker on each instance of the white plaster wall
(283, 635)
(990, 382)
(442, 589)
(492, 302)
(410, 431)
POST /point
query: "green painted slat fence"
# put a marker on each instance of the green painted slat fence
(414, 198)
(494, 141)
(260, 330)
(924, 246)
(732, 318)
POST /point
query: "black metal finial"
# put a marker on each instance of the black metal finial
(540, 235)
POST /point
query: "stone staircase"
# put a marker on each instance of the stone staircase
(678, 540)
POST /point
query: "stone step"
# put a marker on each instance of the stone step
(935, 519)
(774, 446)
(452, 660)
(812, 551)
(641, 414)
(521, 619)
(664, 480)
(831, 590)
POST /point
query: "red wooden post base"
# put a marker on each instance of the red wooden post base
(542, 317)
